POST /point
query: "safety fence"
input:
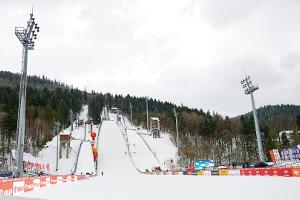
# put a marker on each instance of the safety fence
(280, 171)
(15, 186)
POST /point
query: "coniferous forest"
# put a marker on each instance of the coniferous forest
(203, 134)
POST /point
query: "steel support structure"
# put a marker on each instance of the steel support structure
(26, 36)
(177, 132)
(249, 89)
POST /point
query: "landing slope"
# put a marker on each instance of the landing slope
(113, 156)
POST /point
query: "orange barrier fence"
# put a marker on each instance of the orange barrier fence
(20, 185)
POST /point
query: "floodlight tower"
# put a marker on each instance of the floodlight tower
(147, 114)
(26, 36)
(177, 133)
(130, 105)
(249, 89)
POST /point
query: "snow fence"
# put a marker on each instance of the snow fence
(280, 171)
(15, 186)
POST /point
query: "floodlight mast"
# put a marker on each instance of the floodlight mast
(177, 132)
(130, 105)
(249, 89)
(26, 36)
(147, 114)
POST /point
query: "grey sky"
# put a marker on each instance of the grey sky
(193, 52)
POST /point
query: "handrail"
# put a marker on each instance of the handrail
(148, 147)
(77, 157)
(143, 141)
(127, 144)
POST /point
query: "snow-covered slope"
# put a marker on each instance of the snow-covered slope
(67, 166)
(150, 151)
(113, 154)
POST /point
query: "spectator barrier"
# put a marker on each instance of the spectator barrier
(15, 186)
(279, 171)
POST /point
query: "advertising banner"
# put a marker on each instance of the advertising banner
(53, 179)
(285, 171)
(234, 172)
(43, 181)
(48, 180)
(200, 173)
(223, 172)
(207, 173)
(296, 172)
(36, 183)
(296, 152)
(245, 172)
(65, 179)
(6, 187)
(59, 179)
(276, 155)
(18, 187)
(194, 173)
(28, 185)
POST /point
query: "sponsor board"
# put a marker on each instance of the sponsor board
(6, 187)
(223, 172)
(48, 180)
(65, 179)
(200, 173)
(43, 181)
(53, 180)
(59, 179)
(18, 187)
(28, 185)
(234, 172)
(215, 173)
(207, 173)
(296, 172)
(36, 183)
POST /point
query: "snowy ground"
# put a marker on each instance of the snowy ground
(135, 187)
(122, 181)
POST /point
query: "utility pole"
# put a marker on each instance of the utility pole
(130, 113)
(147, 114)
(249, 89)
(26, 36)
(57, 144)
(177, 132)
(71, 120)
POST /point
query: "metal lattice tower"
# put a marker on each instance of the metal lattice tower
(26, 36)
(249, 89)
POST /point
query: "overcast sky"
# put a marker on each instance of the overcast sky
(193, 52)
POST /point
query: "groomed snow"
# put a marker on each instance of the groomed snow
(149, 187)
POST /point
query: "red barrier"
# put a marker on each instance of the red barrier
(244, 172)
(43, 181)
(28, 185)
(287, 172)
(296, 172)
(20, 185)
(53, 180)
(65, 179)
(6, 187)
